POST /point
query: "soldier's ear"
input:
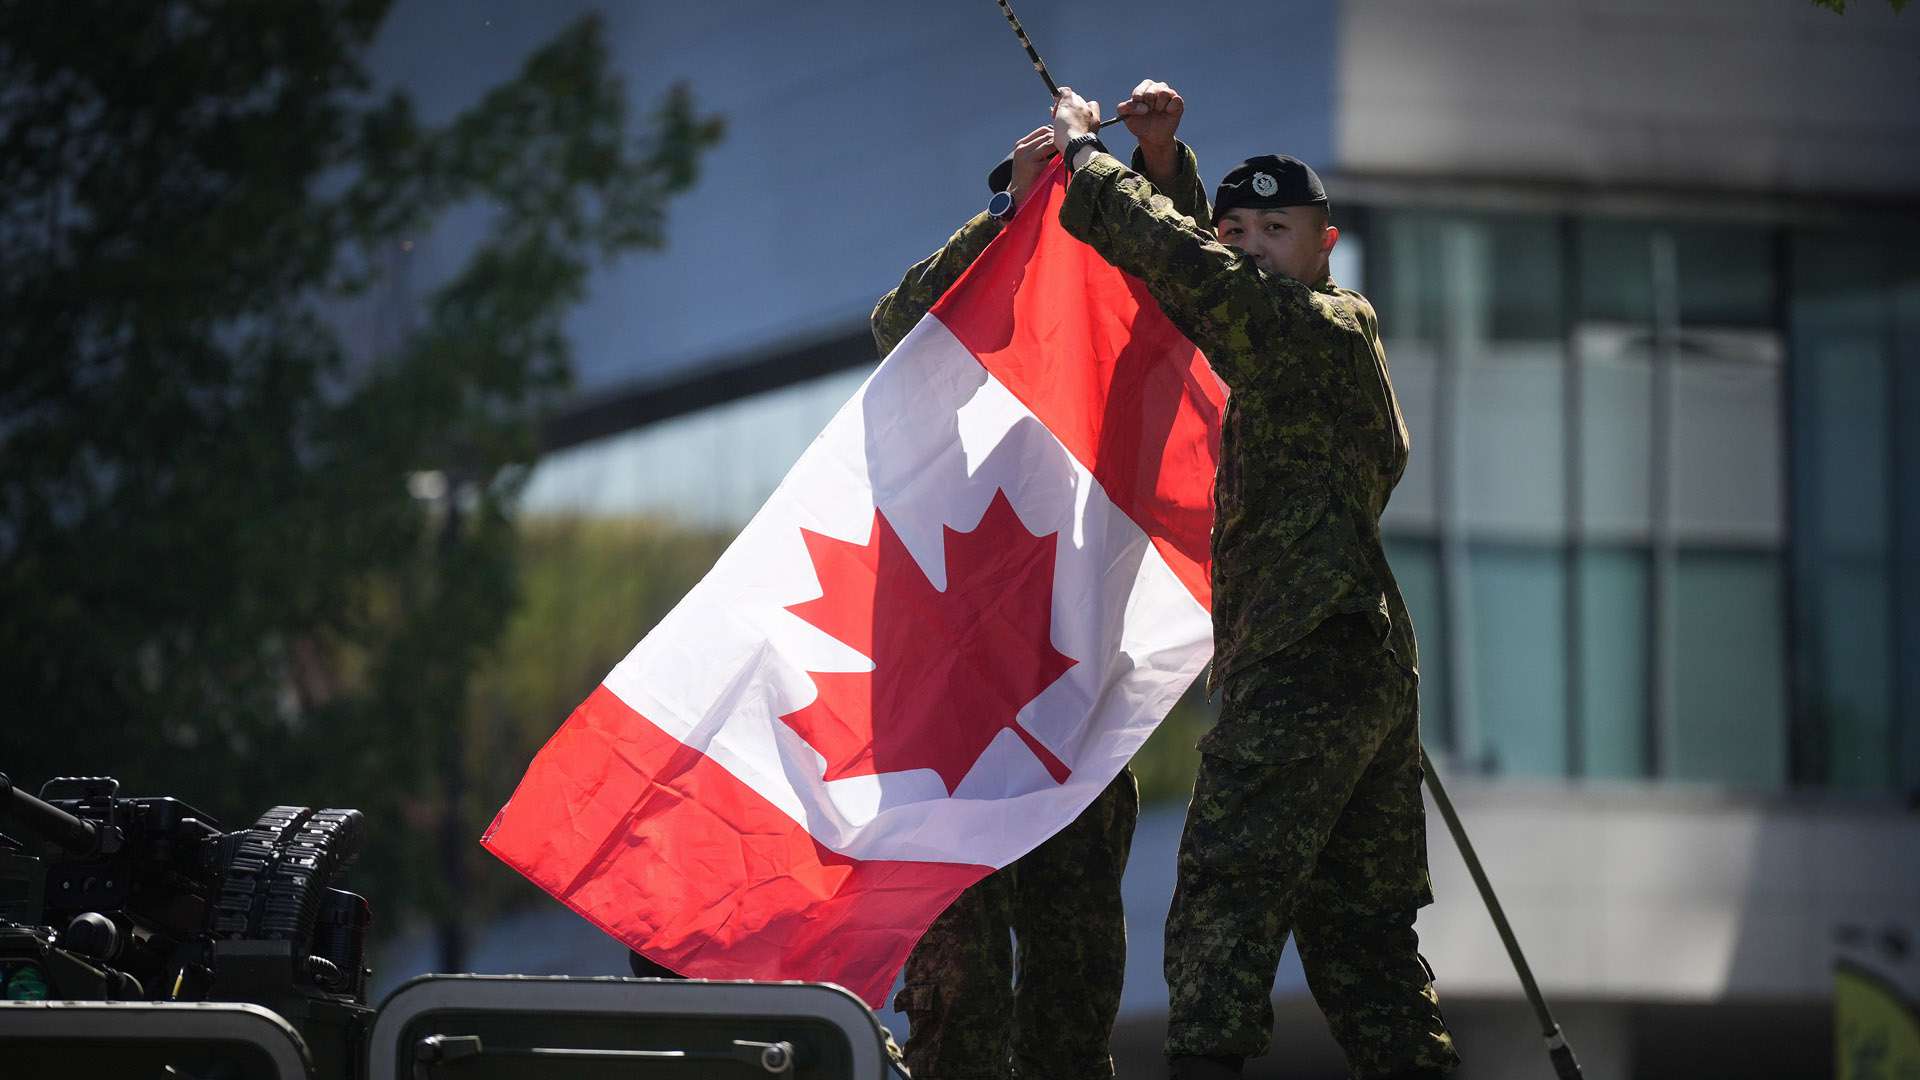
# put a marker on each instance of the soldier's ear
(1329, 237)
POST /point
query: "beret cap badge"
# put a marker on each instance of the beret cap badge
(1268, 182)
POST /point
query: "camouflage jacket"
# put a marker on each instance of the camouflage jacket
(929, 279)
(1313, 439)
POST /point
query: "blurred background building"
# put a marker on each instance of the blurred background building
(1647, 274)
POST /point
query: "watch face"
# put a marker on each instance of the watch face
(1001, 205)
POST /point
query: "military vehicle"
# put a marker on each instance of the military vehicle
(138, 939)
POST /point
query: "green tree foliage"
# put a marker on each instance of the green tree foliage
(214, 580)
(591, 587)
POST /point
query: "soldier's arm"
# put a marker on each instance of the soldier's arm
(1153, 113)
(1213, 293)
(928, 279)
(1180, 183)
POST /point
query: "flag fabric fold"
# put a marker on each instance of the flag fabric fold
(967, 605)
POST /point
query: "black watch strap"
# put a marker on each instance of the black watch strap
(1080, 142)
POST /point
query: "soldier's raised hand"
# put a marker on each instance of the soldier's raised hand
(1030, 156)
(1073, 115)
(1152, 113)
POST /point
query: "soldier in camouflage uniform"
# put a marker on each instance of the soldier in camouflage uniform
(1061, 902)
(1306, 814)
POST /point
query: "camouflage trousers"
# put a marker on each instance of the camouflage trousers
(1307, 818)
(980, 1007)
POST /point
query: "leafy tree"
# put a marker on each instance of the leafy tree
(591, 588)
(214, 580)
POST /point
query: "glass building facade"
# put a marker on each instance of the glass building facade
(1661, 520)
(1655, 530)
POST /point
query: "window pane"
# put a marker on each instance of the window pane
(1505, 338)
(1906, 359)
(1519, 650)
(1348, 260)
(1844, 318)
(1616, 277)
(1527, 284)
(1728, 453)
(1613, 661)
(1727, 449)
(1513, 438)
(1403, 263)
(1729, 694)
(1726, 272)
(1852, 663)
(1845, 379)
(1483, 293)
(1414, 367)
(1616, 404)
(1726, 275)
(1513, 378)
(1851, 671)
(1520, 273)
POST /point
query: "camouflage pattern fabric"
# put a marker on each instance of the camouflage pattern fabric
(1306, 815)
(1313, 439)
(982, 1009)
(928, 280)
(1315, 827)
(1185, 191)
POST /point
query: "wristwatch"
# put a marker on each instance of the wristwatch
(1081, 142)
(1000, 207)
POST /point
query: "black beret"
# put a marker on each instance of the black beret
(1268, 182)
(1001, 178)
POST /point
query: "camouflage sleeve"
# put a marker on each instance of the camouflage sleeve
(1213, 293)
(1186, 191)
(928, 279)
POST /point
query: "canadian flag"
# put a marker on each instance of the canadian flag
(968, 604)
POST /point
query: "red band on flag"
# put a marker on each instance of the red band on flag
(1127, 394)
(661, 847)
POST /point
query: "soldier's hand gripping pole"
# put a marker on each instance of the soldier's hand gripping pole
(1558, 1050)
(1033, 54)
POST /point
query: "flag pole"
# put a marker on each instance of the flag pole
(1558, 1049)
(1039, 65)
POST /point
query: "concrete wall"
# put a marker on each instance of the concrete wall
(1766, 95)
(1675, 932)
(1665, 893)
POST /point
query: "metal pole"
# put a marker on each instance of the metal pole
(1558, 1050)
(454, 835)
(1039, 65)
(1033, 54)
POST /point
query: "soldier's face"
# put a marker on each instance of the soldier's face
(1293, 241)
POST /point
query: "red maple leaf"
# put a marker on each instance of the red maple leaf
(950, 669)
